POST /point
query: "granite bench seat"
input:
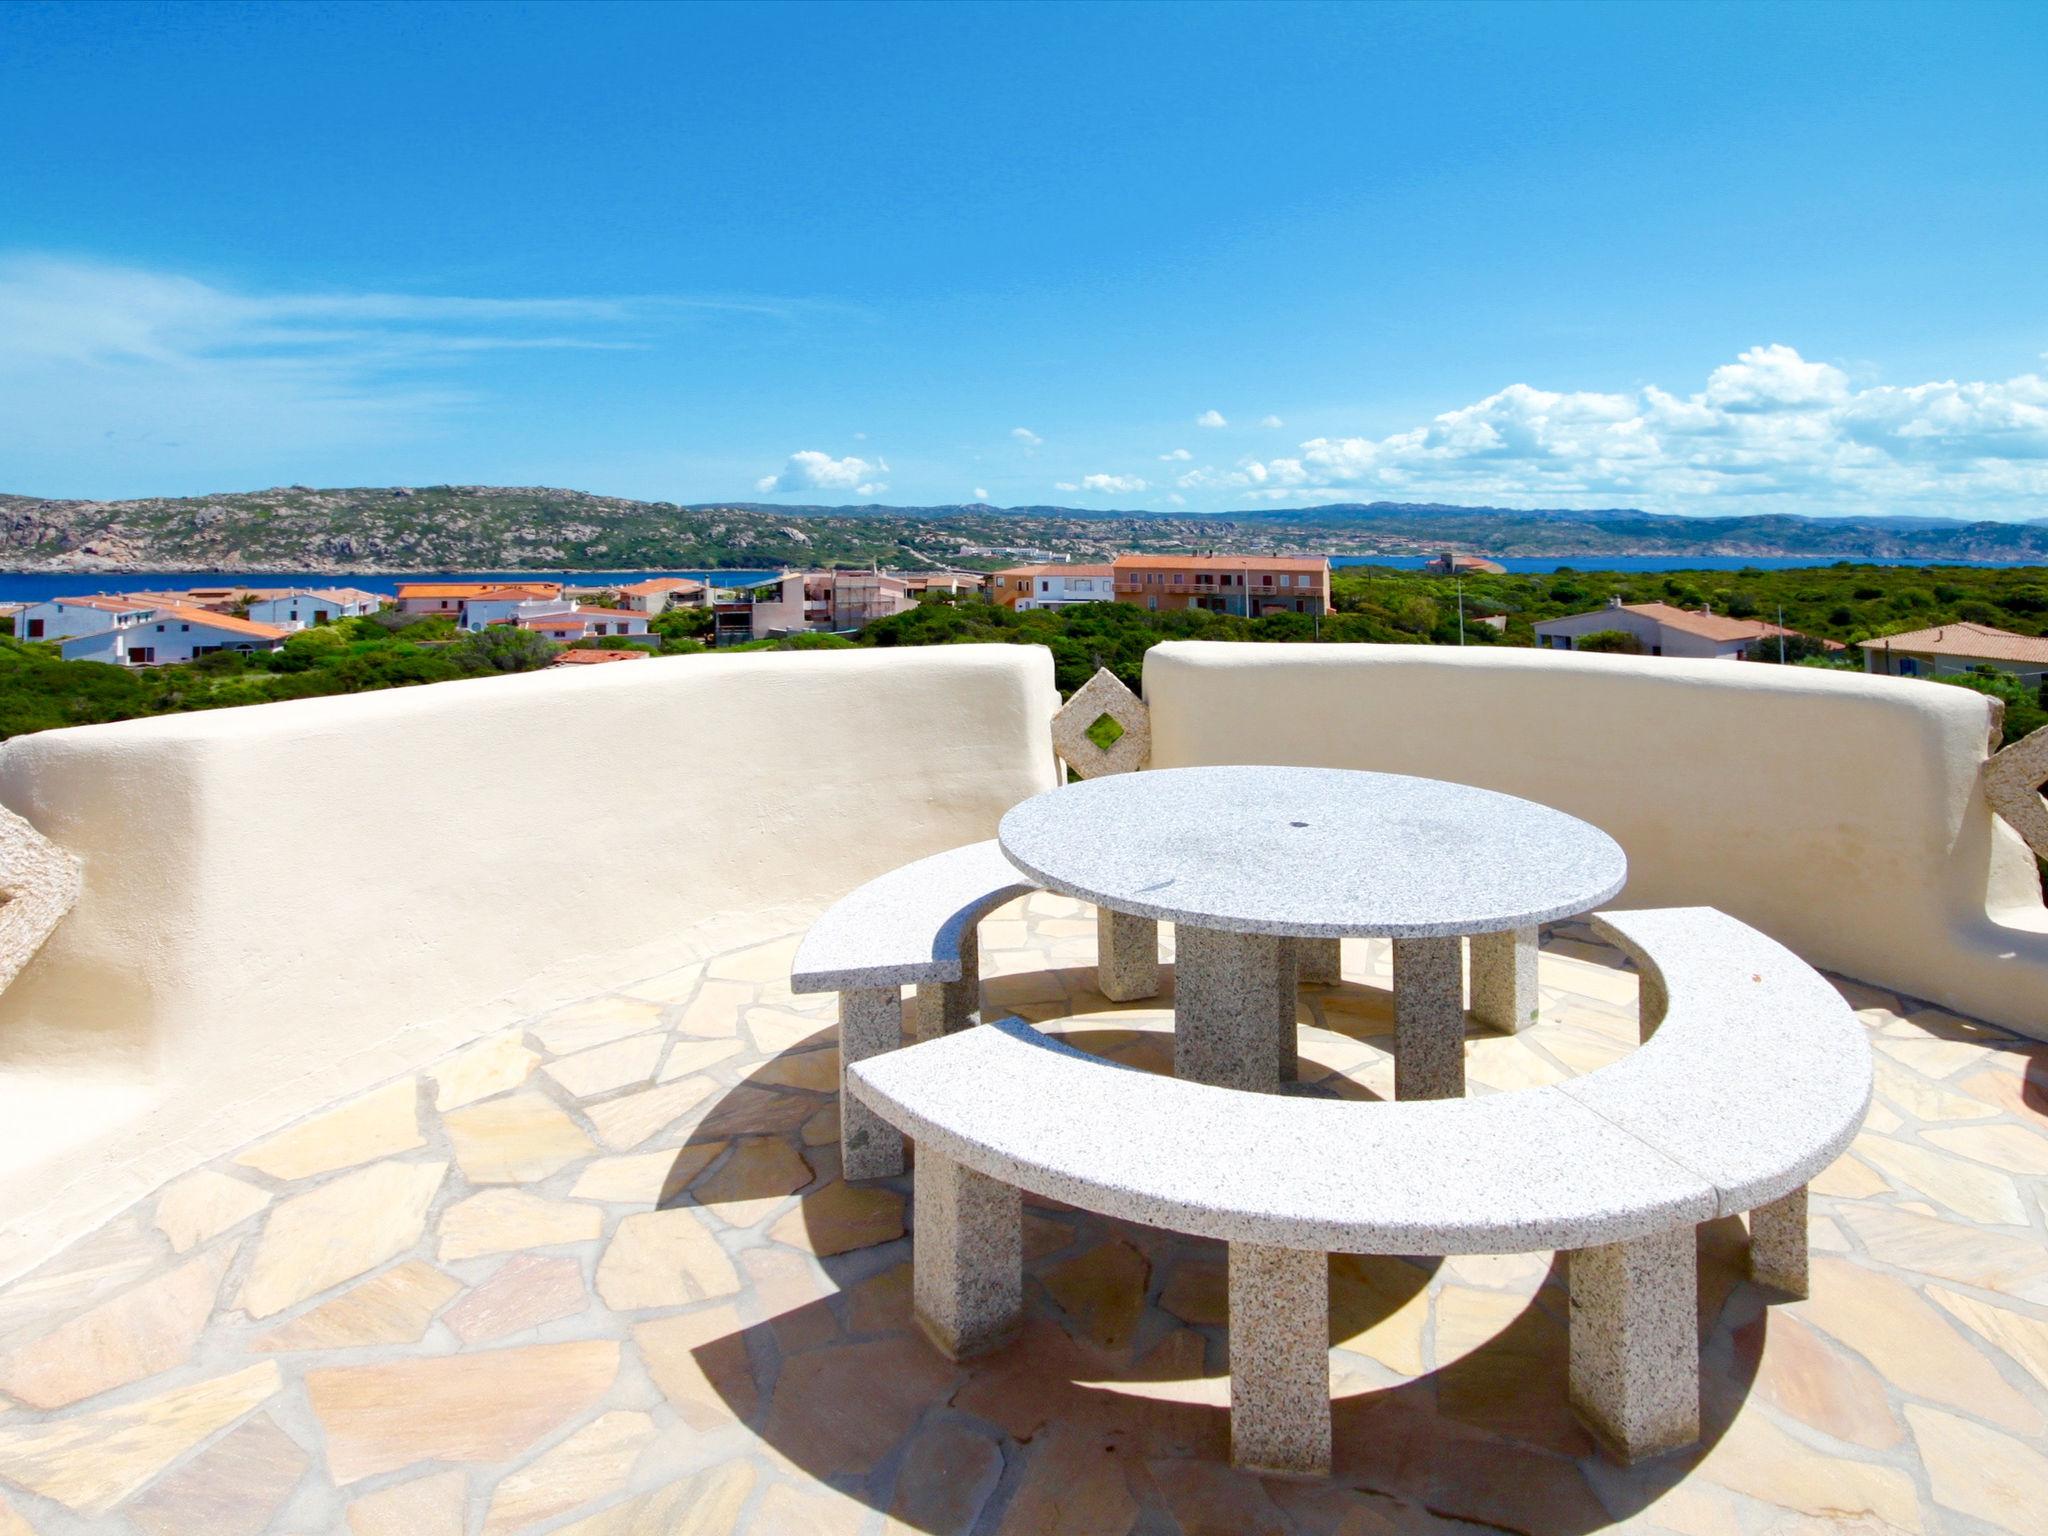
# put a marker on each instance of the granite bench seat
(914, 926)
(1753, 1077)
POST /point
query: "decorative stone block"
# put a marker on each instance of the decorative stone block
(1319, 962)
(1126, 956)
(944, 1007)
(1226, 1008)
(1635, 1354)
(1778, 1246)
(967, 1257)
(2013, 780)
(1429, 1018)
(1103, 694)
(1279, 1360)
(870, 1022)
(1504, 979)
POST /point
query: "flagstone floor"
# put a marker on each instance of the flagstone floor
(599, 1274)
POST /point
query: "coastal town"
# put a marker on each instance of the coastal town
(591, 624)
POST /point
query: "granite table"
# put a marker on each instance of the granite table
(1258, 868)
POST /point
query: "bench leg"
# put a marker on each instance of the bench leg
(1777, 1244)
(1635, 1348)
(870, 1022)
(1504, 979)
(947, 1007)
(1320, 961)
(1279, 1360)
(1429, 1019)
(1226, 1007)
(967, 1257)
(1126, 956)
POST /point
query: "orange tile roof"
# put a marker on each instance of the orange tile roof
(476, 588)
(104, 604)
(596, 658)
(609, 613)
(228, 622)
(1058, 570)
(1221, 562)
(1965, 639)
(661, 584)
(1708, 626)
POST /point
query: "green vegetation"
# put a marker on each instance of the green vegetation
(1847, 603)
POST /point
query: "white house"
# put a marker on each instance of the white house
(61, 618)
(1957, 648)
(1055, 586)
(509, 607)
(1664, 630)
(663, 593)
(173, 634)
(586, 624)
(303, 609)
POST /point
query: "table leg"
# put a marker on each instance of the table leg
(1504, 979)
(1227, 1002)
(1320, 961)
(1429, 1019)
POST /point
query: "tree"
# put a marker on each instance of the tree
(503, 648)
(1797, 648)
(1618, 641)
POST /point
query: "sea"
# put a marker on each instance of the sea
(1548, 564)
(35, 586)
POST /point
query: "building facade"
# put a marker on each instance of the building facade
(301, 610)
(663, 593)
(1026, 587)
(1663, 630)
(1959, 647)
(1246, 585)
(63, 618)
(167, 635)
(447, 597)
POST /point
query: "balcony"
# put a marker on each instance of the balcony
(438, 1212)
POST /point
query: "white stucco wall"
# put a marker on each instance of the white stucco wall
(1837, 812)
(211, 1007)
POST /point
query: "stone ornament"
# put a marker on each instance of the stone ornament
(39, 883)
(2013, 780)
(1103, 694)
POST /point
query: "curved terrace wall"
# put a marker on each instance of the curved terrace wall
(285, 903)
(1839, 813)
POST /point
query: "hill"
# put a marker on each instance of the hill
(468, 527)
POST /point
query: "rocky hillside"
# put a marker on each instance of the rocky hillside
(471, 527)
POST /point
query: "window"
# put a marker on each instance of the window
(1152, 603)
(35, 629)
(1178, 579)
(142, 655)
(1044, 587)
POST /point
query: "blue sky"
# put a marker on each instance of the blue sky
(1721, 259)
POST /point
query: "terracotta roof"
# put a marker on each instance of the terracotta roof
(553, 621)
(1221, 563)
(661, 584)
(104, 604)
(1712, 626)
(608, 613)
(1057, 570)
(476, 588)
(1962, 639)
(596, 658)
(223, 621)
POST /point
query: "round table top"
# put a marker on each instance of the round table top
(1313, 852)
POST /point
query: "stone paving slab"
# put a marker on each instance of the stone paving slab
(571, 1300)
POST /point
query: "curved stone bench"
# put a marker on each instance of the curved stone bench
(1754, 1076)
(912, 926)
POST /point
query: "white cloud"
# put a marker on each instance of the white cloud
(1177, 499)
(1026, 436)
(1211, 419)
(860, 437)
(980, 494)
(1177, 454)
(1271, 421)
(810, 470)
(104, 367)
(1065, 485)
(1770, 431)
(1119, 484)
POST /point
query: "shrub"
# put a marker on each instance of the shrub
(1618, 641)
